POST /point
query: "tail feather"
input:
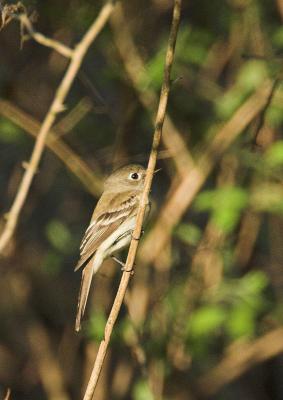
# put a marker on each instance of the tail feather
(84, 291)
(89, 270)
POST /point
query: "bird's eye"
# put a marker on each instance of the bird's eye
(134, 176)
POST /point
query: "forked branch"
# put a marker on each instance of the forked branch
(10, 12)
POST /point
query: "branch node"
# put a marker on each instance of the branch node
(130, 270)
(59, 108)
(136, 238)
(176, 80)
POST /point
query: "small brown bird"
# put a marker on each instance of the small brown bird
(111, 225)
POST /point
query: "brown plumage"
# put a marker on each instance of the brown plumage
(111, 225)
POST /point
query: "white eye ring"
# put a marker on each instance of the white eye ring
(134, 176)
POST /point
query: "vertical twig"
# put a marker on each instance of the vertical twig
(56, 107)
(135, 67)
(8, 394)
(143, 204)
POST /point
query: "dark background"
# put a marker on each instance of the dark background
(202, 320)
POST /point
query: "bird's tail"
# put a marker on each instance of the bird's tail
(87, 274)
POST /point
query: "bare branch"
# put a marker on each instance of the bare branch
(67, 123)
(239, 359)
(8, 395)
(190, 185)
(19, 12)
(41, 39)
(135, 68)
(56, 107)
(10, 12)
(91, 181)
(143, 204)
(48, 367)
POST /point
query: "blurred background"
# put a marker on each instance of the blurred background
(203, 314)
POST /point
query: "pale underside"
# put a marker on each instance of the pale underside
(108, 232)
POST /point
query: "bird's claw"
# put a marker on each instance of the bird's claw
(123, 269)
(135, 238)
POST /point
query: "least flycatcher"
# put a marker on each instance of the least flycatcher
(111, 225)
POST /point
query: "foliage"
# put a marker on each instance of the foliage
(218, 281)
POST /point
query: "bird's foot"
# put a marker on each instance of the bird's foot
(135, 238)
(118, 261)
(123, 269)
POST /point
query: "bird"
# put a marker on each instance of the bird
(111, 226)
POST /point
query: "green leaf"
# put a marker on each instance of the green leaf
(226, 205)
(226, 219)
(277, 38)
(206, 320)
(247, 289)
(274, 155)
(153, 75)
(274, 116)
(188, 233)
(249, 78)
(254, 282)
(252, 74)
(205, 201)
(58, 235)
(192, 45)
(124, 330)
(241, 322)
(52, 263)
(174, 299)
(142, 391)
(96, 325)
(9, 133)
(227, 104)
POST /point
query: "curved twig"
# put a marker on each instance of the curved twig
(144, 201)
(135, 67)
(18, 11)
(8, 394)
(56, 107)
(240, 359)
(91, 181)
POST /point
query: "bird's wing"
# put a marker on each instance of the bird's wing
(104, 224)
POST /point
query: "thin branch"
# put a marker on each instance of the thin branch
(99, 103)
(49, 370)
(280, 8)
(56, 107)
(91, 181)
(143, 204)
(262, 116)
(8, 395)
(185, 192)
(18, 11)
(135, 68)
(62, 49)
(241, 358)
(68, 122)
(135, 344)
